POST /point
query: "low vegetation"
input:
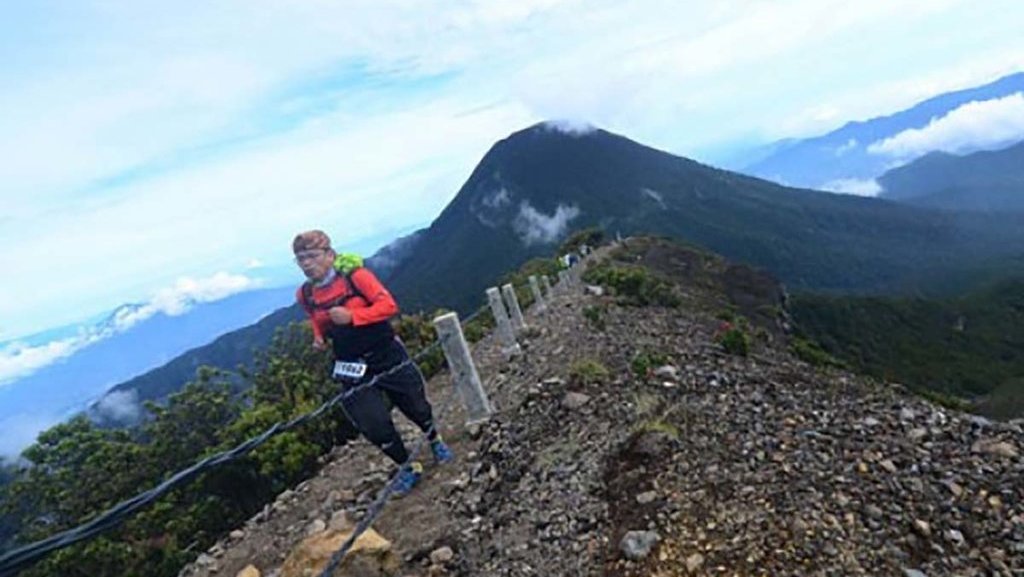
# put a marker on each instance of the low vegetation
(970, 348)
(734, 339)
(595, 316)
(633, 285)
(645, 361)
(588, 371)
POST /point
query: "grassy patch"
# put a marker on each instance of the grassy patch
(588, 371)
(658, 426)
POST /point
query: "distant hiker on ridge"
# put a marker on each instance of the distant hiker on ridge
(349, 306)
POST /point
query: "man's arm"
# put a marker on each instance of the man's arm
(382, 304)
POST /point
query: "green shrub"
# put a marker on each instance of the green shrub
(812, 353)
(727, 315)
(633, 285)
(734, 340)
(595, 316)
(479, 326)
(646, 361)
(591, 237)
(944, 399)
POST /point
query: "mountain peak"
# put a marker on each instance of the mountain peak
(567, 127)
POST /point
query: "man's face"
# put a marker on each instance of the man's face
(315, 263)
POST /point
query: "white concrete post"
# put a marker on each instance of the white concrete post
(464, 376)
(503, 326)
(547, 285)
(539, 298)
(518, 322)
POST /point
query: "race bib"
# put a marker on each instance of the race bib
(348, 370)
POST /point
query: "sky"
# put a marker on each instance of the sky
(157, 149)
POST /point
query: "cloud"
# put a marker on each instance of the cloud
(119, 407)
(655, 196)
(973, 126)
(271, 117)
(535, 227)
(489, 208)
(186, 293)
(497, 199)
(18, 360)
(867, 187)
(254, 264)
(570, 127)
(846, 147)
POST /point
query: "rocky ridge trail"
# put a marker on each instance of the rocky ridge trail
(706, 464)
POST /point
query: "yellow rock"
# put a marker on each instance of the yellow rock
(371, 555)
(250, 571)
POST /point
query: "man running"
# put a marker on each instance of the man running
(348, 306)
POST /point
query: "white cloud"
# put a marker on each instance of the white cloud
(973, 126)
(497, 199)
(846, 147)
(654, 195)
(534, 227)
(119, 407)
(570, 127)
(867, 187)
(254, 263)
(186, 293)
(18, 360)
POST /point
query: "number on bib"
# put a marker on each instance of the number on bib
(347, 370)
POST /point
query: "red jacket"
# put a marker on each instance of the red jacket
(378, 306)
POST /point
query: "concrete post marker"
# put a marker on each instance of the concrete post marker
(512, 301)
(539, 298)
(503, 326)
(464, 376)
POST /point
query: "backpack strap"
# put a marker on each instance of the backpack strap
(352, 290)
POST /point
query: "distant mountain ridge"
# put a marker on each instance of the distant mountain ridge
(535, 186)
(986, 180)
(842, 153)
(118, 349)
(539, 179)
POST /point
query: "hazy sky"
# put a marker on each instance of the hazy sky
(175, 147)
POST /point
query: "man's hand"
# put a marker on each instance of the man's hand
(340, 315)
(319, 344)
